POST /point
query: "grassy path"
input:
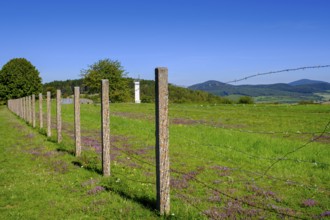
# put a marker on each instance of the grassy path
(37, 181)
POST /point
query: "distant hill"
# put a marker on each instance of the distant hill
(299, 90)
(305, 82)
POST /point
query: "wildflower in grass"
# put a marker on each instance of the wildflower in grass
(325, 214)
(96, 190)
(309, 203)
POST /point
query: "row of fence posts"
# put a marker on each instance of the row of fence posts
(25, 108)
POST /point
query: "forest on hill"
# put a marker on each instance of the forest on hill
(295, 91)
(177, 94)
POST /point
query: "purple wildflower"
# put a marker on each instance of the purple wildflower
(309, 203)
(96, 190)
(325, 214)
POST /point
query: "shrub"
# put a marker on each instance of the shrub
(246, 100)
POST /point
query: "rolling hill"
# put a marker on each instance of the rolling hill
(280, 92)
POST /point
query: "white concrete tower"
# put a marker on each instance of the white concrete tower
(137, 91)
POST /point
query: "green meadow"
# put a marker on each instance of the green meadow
(227, 162)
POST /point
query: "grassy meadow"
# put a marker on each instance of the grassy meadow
(227, 162)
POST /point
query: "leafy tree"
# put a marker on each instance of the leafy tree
(114, 72)
(19, 78)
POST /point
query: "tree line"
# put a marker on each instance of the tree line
(19, 78)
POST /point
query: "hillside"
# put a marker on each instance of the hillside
(298, 90)
(177, 94)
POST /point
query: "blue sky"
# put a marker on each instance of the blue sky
(197, 40)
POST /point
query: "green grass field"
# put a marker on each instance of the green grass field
(227, 161)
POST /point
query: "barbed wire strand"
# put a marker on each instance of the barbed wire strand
(278, 71)
(257, 173)
(232, 197)
(299, 148)
(294, 182)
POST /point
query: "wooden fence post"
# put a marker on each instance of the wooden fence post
(29, 109)
(49, 131)
(24, 109)
(162, 141)
(77, 120)
(58, 116)
(33, 111)
(105, 128)
(41, 124)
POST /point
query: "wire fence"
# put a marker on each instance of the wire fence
(218, 200)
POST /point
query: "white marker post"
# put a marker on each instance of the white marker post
(137, 92)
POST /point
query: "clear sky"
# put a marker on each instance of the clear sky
(197, 40)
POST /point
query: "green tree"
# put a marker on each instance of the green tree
(114, 72)
(19, 78)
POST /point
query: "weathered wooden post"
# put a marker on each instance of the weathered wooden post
(29, 110)
(58, 116)
(41, 124)
(105, 128)
(162, 141)
(9, 104)
(49, 131)
(77, 121)
(33, 111)
(21, 107)
(24, 109)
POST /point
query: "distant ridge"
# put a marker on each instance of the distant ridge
(305, 82)
(303, 89)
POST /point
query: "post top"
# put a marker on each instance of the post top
(161, 68)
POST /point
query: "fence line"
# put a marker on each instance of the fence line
(24, 107)
(162, 160)
(205, 185)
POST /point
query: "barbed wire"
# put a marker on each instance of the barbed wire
(233, 197)
(252, 155)
(299, 148)
(265, 173)
(249, 172)
(278, 71)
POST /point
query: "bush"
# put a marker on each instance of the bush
(246, 100)
(306, 102)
